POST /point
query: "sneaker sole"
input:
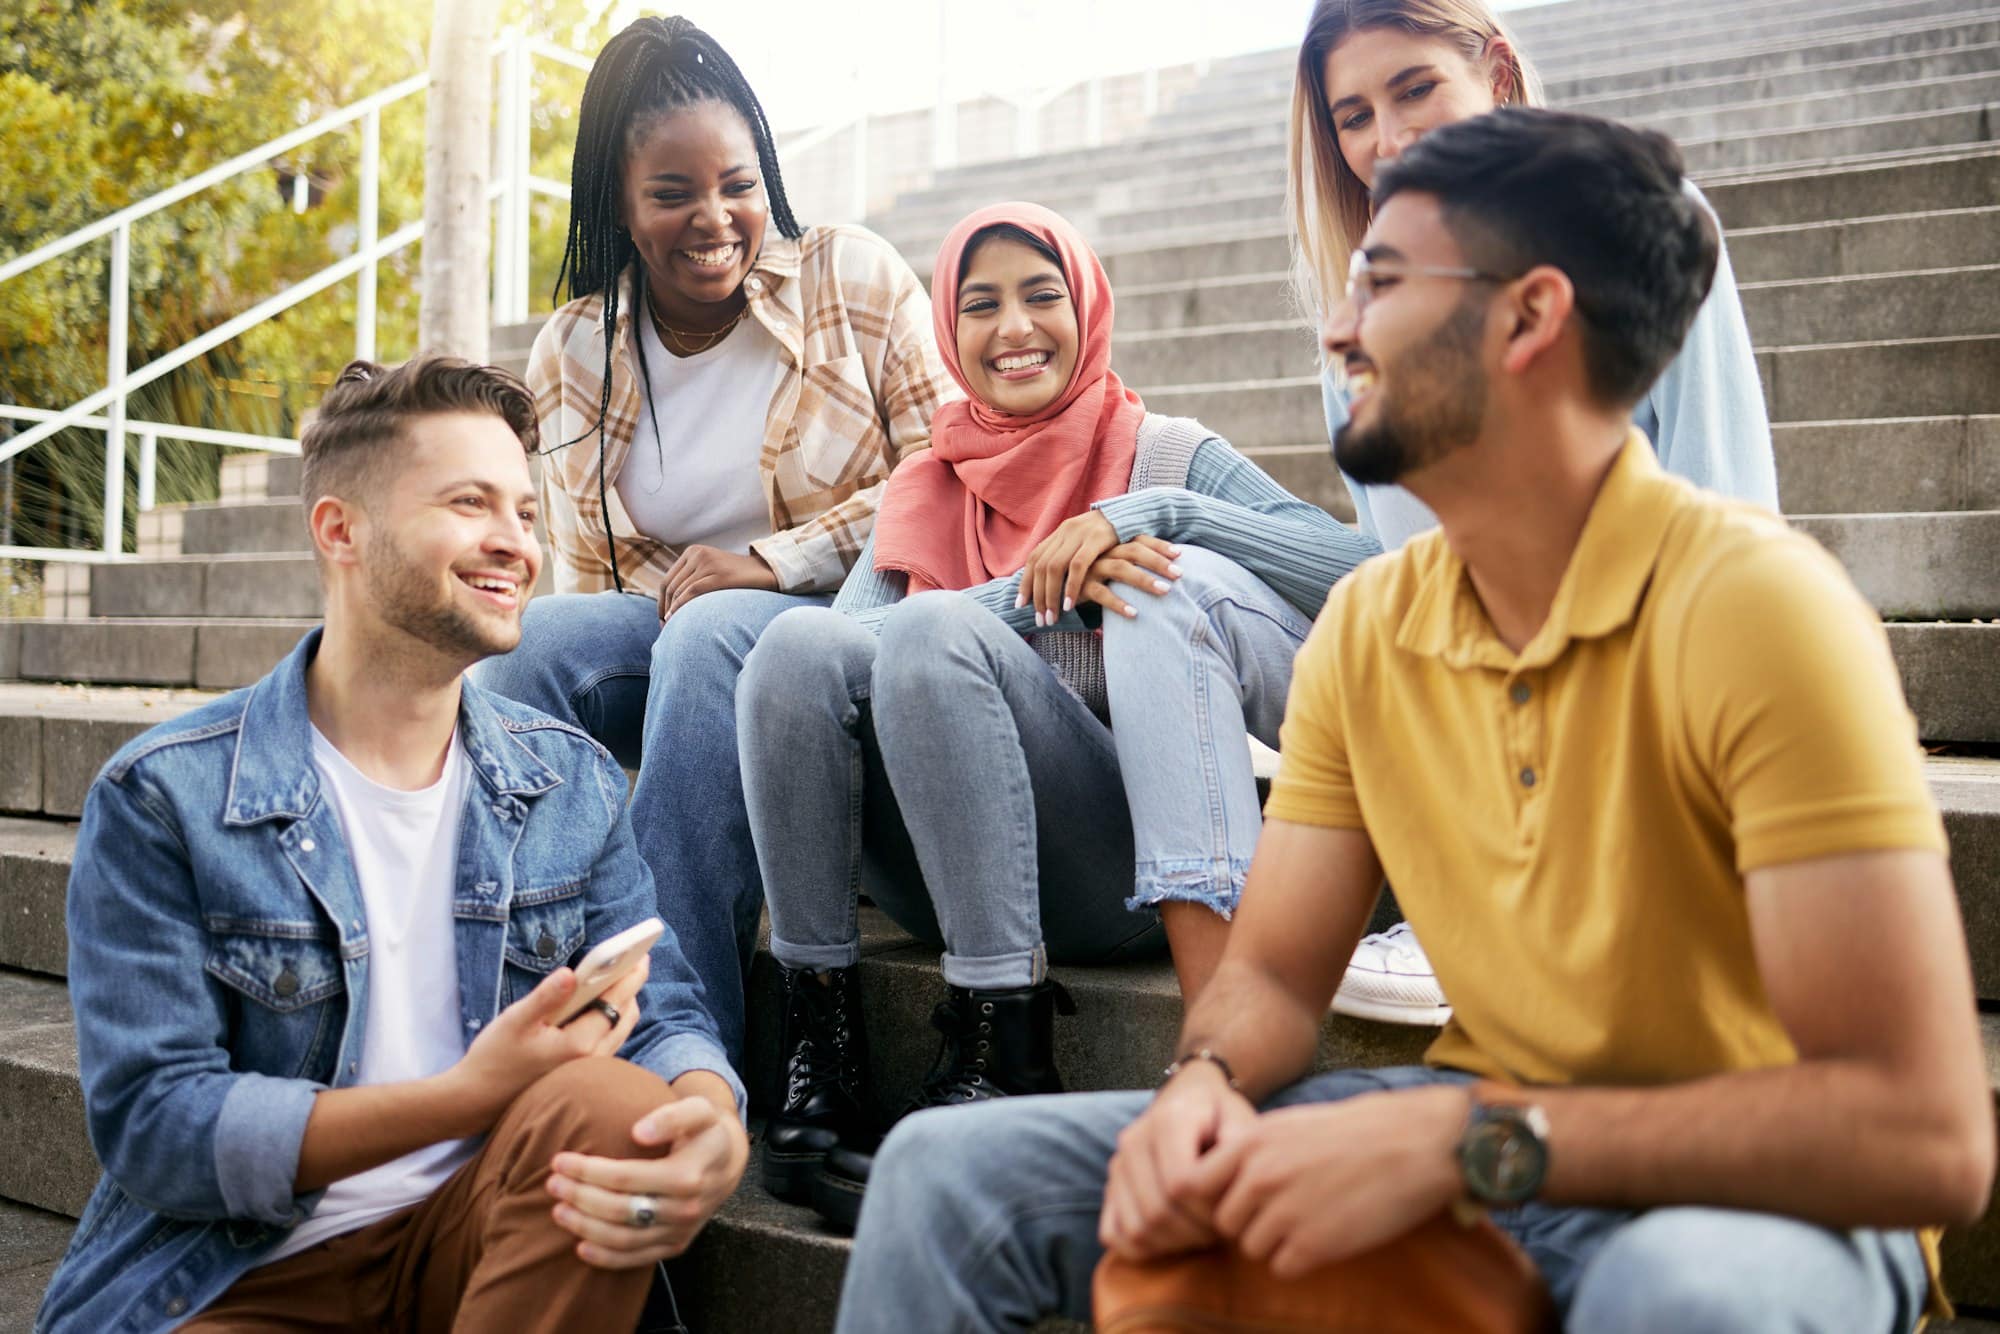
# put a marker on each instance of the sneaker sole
(1387, 1012)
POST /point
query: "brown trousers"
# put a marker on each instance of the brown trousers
(481, 1254)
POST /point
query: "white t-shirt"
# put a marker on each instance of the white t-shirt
(700, 480)
(405, 847)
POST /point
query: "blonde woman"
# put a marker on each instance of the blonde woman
(1373, 77)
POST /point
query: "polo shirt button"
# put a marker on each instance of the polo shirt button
(1527, 778)
(752, 283)
(1520, 693)
(307, 845)
(177, 1307)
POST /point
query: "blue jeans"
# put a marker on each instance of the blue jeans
(948, 760)
(662, 700)
(985, 1218)
(1197, 668)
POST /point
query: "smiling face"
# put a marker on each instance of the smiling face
(1416, 365)
(1017, 334)
(693, 201)
(1386, 88)
(447, 551)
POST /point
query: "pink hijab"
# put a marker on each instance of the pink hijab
(992, 484)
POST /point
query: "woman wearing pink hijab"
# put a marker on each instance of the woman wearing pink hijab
(1022, 721)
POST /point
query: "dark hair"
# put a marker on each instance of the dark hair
(353, 432)
(1603, 202)
(1006, 231)
(655, 66)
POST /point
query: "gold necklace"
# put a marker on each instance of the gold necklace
(678, 341)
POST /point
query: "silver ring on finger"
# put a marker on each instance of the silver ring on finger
(641, 1210)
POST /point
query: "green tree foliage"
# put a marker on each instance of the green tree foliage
(104, 103)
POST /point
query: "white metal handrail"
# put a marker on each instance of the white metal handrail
(512, 187)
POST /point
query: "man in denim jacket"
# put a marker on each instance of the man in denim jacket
(318, 935)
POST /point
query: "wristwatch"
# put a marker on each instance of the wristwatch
(1503, 1153)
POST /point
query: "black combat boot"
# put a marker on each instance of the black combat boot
(996, 1044)
(826, 1078)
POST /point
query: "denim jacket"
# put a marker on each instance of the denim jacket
(219, 959)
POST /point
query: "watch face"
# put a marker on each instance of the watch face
(1504, 1160)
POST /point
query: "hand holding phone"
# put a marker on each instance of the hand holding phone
(608, 961)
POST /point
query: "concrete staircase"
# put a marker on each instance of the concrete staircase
(1853, 153)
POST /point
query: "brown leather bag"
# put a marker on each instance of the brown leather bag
(1442, 1278)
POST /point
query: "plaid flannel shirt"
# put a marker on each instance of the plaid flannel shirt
(863, 378)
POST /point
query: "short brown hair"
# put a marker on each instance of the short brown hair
(362, 418)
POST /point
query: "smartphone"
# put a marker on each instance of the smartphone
(608, 961)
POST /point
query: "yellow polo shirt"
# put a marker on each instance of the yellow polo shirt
(1567, 828)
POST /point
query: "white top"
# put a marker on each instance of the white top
(712, 409)
(405, 848)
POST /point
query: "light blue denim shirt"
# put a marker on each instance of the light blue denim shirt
(1229, 505)
(219, 958)
(1705, 416)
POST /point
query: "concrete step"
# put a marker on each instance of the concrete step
(1911, 377)
(1895, 465)
(1904, 242)
(1966, 178)
(31, 1241)
(215, 585)
(241, 526)
(56, 737)
(215, 654)
(1828, 106)
(1930, 303)
(1935, 567)
(1257, 386)
(1867, 187)
(1878, 67)
(35, 856)
(40, 1097)
(1914, 466)
(1768, 150)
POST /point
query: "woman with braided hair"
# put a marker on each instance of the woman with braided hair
(721, 400)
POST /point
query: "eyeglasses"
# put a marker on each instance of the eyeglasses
(1365, 280)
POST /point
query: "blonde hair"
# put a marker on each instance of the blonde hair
(1326, 205)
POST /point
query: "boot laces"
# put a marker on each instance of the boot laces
(820, 1056)
(960, 1074)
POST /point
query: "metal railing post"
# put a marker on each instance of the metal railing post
(522, 169)
(114, 380)
(368, 228)
(149, 463)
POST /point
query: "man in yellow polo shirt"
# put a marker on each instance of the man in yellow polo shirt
(1638, 761)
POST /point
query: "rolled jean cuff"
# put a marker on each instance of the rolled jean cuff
(1215, 885)
(843, 955)
(997, 972)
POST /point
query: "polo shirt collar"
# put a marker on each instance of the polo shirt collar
(1600, 590)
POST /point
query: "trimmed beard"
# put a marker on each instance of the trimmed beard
(405, 598)
(1431, 402)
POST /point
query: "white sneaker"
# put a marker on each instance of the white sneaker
(1390, 981)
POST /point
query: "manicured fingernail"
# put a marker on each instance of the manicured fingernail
(1173, 551)
(1069, 604)
(1022, 599)
(1131, 613)
(1160, 585)
(1174, 570)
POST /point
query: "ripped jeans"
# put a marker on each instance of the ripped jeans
(946, 767)
(1196, 669)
